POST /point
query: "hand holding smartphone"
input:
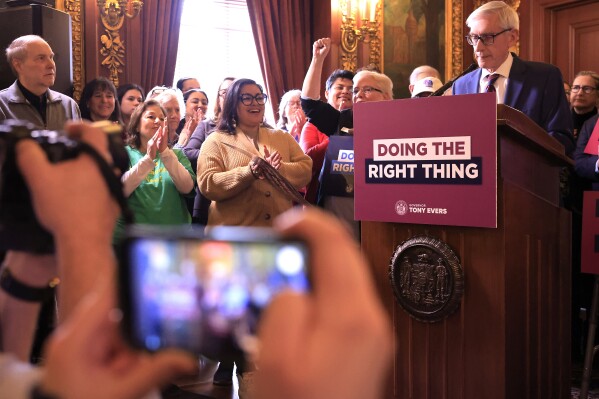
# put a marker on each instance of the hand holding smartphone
(202, 294)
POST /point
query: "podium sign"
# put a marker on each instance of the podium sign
(427, 161)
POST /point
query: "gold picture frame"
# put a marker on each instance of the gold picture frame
(454, 30)
(74, 9)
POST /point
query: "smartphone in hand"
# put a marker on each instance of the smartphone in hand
(204, 294)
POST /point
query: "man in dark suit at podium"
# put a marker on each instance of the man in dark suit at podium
(534, 88)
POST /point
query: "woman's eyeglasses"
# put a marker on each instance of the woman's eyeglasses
(367, 90)
(248, 99)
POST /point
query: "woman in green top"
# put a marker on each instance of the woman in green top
(159, 177)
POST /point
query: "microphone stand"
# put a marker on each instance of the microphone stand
(447, 85)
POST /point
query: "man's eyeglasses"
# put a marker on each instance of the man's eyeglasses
(487, 39)
(367, 90)
(586, 89)
(222, 93)
(248, 99)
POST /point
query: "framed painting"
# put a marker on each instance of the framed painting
(421, 32)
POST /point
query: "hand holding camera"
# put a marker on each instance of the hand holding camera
(49, 173)
(66, 195)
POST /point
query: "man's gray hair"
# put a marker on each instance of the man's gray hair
(17, 50)
(508, 17)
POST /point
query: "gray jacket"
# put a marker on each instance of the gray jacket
(59, 109)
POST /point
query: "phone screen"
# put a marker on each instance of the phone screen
(203, 295)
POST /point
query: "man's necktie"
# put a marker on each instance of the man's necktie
(491, 79)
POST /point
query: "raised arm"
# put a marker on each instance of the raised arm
(312, 81)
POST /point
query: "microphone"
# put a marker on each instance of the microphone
(447, 85)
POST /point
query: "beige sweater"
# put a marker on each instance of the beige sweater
(238, 199)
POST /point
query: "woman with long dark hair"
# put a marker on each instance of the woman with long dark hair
(130, 95)
(229, 178)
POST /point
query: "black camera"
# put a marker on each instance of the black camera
(19, 227)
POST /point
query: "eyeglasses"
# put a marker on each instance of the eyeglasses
(586, 89)
(248, 99)
(487, 39)
(367, 90)
(222, 93)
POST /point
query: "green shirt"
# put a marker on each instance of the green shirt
(156, 200)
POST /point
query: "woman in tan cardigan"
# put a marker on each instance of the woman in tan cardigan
(240, 197)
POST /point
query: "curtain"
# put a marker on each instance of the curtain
(159, 41)
(283, 36)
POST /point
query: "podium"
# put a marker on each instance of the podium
(510, 336)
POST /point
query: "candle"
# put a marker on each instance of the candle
(373, 4)
(362, 6)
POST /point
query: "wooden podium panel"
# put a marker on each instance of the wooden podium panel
(510, 337)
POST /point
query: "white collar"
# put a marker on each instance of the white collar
(503, 70)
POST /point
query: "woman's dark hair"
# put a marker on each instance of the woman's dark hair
(133, 138)
(338, 74)
(129, 86)
(228, 118)
(102, 84)
(182, 81)
(188, 93)
(217, 110)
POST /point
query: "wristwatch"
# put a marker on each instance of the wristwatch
(25, 292)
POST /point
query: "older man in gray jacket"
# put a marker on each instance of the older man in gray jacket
(30, 97)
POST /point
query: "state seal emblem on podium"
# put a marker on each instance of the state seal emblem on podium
(427, 278)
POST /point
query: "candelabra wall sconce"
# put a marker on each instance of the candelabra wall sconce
(360, 22)
(113, 13)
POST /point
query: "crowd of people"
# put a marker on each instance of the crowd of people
(192, 167)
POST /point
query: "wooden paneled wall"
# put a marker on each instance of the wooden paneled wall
(556, 31)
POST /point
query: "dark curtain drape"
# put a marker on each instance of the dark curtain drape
(159, 41)
(283, 36)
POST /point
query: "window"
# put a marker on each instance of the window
(216, 41)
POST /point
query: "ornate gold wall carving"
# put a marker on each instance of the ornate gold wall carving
(454, 33)
(113, 13)
(73, 7)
